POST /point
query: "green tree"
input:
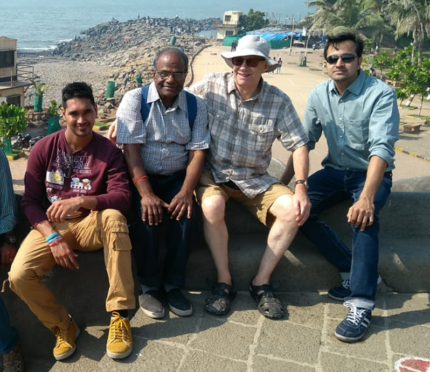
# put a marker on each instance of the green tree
(363, 16)
(254, 20)
(411, 17)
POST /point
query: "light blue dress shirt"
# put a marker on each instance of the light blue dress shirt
(361, 123)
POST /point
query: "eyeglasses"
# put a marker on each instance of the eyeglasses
(346, 58)
(250, 62)
(176, 75)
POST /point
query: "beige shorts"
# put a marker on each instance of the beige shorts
(259, 205)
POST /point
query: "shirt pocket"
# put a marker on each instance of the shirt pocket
(261, 136)
(217, 121)
(358, 134)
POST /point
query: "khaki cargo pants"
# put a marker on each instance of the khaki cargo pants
(100, 229)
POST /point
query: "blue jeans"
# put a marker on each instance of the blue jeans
(326, 188)
(145, 238)
(8, 335)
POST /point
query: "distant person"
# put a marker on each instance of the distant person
(278, 69)
(9, 343)
(126, 80)
(359, 118)
(372, 72)
(165, 152)
(76, 191)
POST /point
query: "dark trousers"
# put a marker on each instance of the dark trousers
(328, 187)
(145, 238)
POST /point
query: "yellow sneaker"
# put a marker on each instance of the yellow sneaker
(65, 345)
(120, 341)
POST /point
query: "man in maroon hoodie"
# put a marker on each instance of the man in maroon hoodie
(76, 189)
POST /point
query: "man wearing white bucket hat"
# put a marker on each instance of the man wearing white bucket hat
(246, 115)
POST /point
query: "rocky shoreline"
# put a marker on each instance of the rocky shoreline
(113, 51)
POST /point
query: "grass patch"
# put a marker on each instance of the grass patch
(409, 107)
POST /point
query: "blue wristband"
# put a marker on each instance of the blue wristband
(52, 237)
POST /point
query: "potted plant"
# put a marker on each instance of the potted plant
(54, 117)
(12, 122)
(39, 90)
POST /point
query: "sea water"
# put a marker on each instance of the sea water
(41, 24)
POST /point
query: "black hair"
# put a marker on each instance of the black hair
(345, 36)
(77, 90)
(175, 50)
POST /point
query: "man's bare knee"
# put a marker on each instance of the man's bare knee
(213, 208)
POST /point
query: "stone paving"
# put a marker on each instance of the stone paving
(246, 341)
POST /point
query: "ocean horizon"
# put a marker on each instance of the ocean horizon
(40, 25)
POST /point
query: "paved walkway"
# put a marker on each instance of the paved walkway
(245, 341)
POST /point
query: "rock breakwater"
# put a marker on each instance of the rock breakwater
(121, 52)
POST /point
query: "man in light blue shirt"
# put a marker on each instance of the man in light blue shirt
(359, 117)
(165, 151)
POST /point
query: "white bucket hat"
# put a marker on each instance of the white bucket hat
(251, 45)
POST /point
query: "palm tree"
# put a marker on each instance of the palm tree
(334, 16)
(411, 17)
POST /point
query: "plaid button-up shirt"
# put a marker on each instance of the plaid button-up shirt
(165, 137)
(242, 132)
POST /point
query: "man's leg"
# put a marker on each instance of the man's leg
(33, 260)
(327, 188)
(216, 235)
(365, 251)
(280, 237)
(212, 200)
(108, 229)
(144, 239)
(8, 335)
(364, 269)
(179, 242)
(274, 208)
(9, 345)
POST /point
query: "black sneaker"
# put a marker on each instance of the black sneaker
(151, 304)
(178, 303)
(355, 325)
(344, 291)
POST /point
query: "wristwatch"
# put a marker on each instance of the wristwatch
(301, 182)
(9, 238)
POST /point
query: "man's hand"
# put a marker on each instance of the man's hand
(361, 213)
(152, 208)
(62, 209)
(7, 254)
(64, 255)
(302, 204)
(182, 203)
(112, 133)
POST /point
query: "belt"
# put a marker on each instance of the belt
(231, 184)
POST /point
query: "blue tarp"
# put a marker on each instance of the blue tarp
(275, 35)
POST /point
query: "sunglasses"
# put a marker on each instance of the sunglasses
(346, 58)
(250, 62)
